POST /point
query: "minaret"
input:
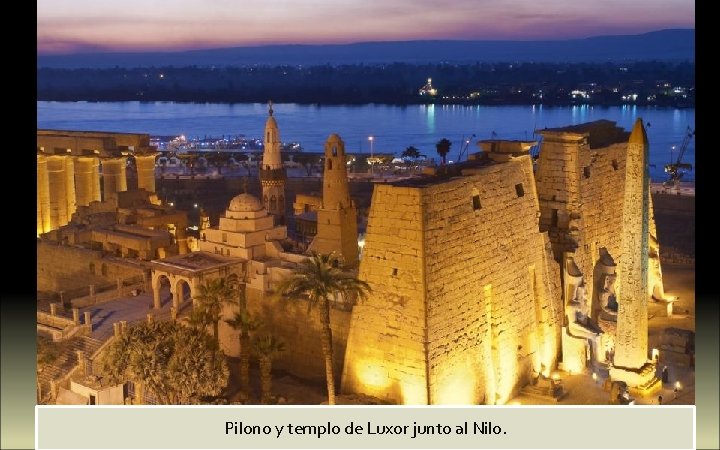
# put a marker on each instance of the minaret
(337, 219)
(272, 172)
(631, 360)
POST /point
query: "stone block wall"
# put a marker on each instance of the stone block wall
(572, 168)
(602, 188)
(465, 300)
(64, 268)
(72, 269)
(386, 354)
(300, 330)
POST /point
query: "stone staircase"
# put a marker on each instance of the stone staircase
(64, 363)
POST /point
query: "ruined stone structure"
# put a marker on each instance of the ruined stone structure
(592, 183)
(487, 274)
(71, 164)
(109, 240)
(272, 172)
(337, 218)
(465, 304)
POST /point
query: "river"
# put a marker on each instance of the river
(393, 127)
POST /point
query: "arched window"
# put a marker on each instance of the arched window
(265, 201)
(281, 203)
(329, 164)
(268, 136)
(334, 151)
(273, 203)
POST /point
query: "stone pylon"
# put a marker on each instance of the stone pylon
(272, 172)
(337, 219)
(631, 363)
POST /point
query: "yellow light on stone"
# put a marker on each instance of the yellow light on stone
(413, 392)
(678, 386)
(373, 375)
(655, 354)
(594, 376)
(556, 377)
(457, 389)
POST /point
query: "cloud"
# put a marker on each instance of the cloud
(156, 24)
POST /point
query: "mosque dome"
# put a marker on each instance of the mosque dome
(245, 203)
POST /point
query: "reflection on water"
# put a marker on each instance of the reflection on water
(393, 127)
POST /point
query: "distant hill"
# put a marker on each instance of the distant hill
(664, 45)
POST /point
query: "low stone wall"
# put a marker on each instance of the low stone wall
(54, 321)
(106, 296)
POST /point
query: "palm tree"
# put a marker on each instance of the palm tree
(319, 280)
(410, 152)
(443, 148)
(266, 349)
(244, 323)
(175, 363)
(212, 295)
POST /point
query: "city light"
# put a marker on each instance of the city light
(371, 159)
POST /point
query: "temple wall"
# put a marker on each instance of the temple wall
(300, 330)
(487, 279)
(386, 355)
(465, 302)
(70, 269)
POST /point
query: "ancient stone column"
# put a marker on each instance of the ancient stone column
(116, 329)
(123, 326)
(53, 309)
(61, 188)
(114, 179)
(173, 313)
(43, 196)
(176, 299)
(76, 316)
(156, 296)
(146, 171)
(149, 318)
(87, 180)
(88, 321)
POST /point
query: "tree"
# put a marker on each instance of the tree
(307, 160)
(266, 349)
(319, 280)
(212, 295)
(410, 152)
(245, 324)
(178, 364)
(443, 148)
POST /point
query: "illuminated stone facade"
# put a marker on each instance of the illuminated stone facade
(594, 195)
(488, 276)
(466, 302)
(69, 168)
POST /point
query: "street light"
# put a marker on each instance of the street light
(371, 139)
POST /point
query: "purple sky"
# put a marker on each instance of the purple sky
(68, 26)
